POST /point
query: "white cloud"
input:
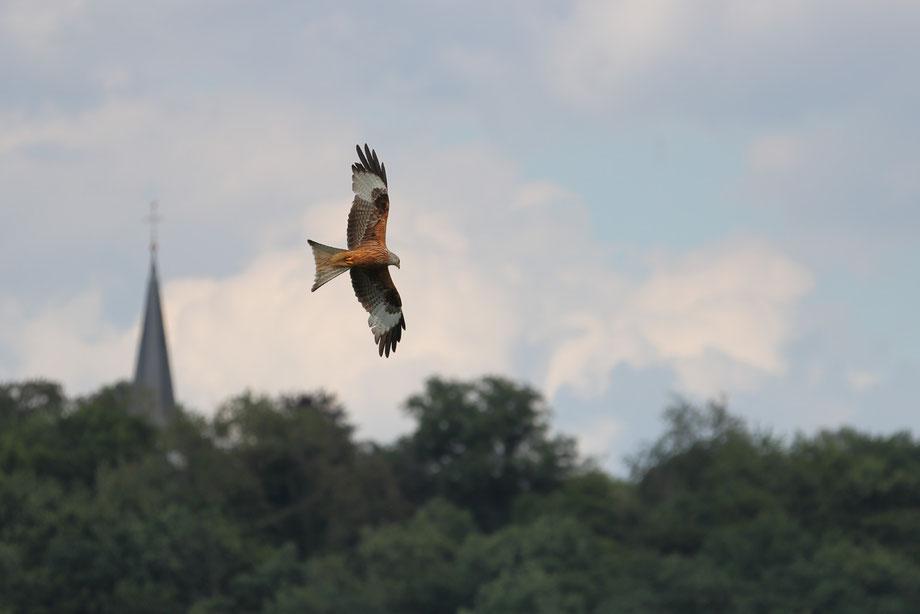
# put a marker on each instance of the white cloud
(727, 55)
(842, 187)
(229, 147)
(264, 328)
(30, 24)
(70, 341)
(224, 171)
(862, 380)
(596, 439)
(777, 154)
(539, 194)
(719, 316)
(603, 44)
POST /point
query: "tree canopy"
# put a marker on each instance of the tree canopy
(273, 507)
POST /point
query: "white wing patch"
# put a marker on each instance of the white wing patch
(382, 320)
(363, 184)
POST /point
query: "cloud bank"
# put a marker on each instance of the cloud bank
(494, 269)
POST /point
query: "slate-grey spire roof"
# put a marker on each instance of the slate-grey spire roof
(153, 391)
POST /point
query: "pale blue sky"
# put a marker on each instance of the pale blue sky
(725, 198)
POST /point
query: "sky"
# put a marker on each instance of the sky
(619, 203)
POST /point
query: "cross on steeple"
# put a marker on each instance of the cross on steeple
(153, 219)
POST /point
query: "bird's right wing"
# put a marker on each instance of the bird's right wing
(371, 206)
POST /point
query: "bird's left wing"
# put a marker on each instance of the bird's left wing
(371, 206)
(377, 293)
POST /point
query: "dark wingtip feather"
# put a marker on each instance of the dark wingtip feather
(370, 162)
(387, 341)
(361, 156)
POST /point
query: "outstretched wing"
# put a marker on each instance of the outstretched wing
(376, 292)
(368, 216)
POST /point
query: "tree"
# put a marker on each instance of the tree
(272, 508)
(405, 567)
(607, 507)
(305, 480)
(546, 566)
(704, 451)
(29, 399)
(42, 434)
(480, 445)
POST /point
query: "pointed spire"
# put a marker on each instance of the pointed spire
(152, 378)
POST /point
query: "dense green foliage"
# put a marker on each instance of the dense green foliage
(273, 507)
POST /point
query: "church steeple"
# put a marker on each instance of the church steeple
(153, 389)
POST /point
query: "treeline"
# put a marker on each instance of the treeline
(273, 507)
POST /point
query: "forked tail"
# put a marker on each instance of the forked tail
(324, 269)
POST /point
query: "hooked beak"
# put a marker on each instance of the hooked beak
(397, 265)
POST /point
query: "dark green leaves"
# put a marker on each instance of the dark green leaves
(272, 507)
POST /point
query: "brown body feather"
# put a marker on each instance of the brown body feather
(367, 255)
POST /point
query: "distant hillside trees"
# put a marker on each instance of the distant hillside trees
(272, 507)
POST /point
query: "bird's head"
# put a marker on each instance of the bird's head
(394, 260)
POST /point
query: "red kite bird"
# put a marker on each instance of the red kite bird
(367, 256)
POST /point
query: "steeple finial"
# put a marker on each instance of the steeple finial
(153, 219)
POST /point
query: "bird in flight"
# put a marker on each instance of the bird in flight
(367, 256)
